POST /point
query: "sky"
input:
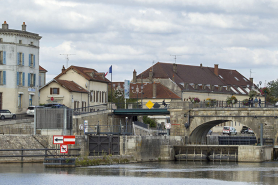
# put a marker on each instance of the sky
(135, 34)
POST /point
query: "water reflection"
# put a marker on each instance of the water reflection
(166, 172)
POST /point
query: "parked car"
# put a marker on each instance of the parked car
(229, 130)
(49, 105)
(246, 130)
(250, 131)
(6, 114)
(30, 110)
(59, 106)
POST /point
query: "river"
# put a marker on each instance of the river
(178, 172)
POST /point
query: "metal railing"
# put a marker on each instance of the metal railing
(90, 109)
(22, 150)
(123, 129)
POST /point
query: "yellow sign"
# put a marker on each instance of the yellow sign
(149, 104)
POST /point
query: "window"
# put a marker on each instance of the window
(221, 77)
(91, 96)
(31, 60)
(31, 43)
(20, 101)
(76, 104)
(54, 91)
(20, 58)
(30, 99)
(20, 41)
(1, 40)
(83, 106)
(236, 78)
(31, 80)
(20, 78)
(3, 77)
(2, 57)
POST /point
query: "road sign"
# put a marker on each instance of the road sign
(69, 140)
(85, 126)
(63, 148)
(168, 125)
(149, 104)
(58, 139)
(52, 99)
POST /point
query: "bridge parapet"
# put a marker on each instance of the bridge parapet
(196, 122)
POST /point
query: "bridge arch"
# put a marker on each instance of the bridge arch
(198, 132)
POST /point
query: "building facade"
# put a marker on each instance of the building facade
(19, 68)
(76, 87)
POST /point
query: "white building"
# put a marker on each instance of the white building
(19, 68)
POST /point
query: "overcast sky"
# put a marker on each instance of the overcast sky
(128, 35)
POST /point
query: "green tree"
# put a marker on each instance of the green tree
(149, 121)
(273, 88)
(252, 94)
(117, 97)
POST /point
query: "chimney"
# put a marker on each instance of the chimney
(186, 86)
(175, 68)
(220, 88)
(5, 26)
(23, 26)
(251, 80)
(63, 69)
(216, 69)
(201, 65)
(154, 90)
(151, 75)
(134, 76)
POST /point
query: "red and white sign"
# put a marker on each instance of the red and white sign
(69, 140)
(58, 139)
(168, 125)
(63, 148)
(52, 99)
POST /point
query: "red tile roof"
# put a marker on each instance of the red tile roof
(71, 86)
(88, 73)
(42, 69)
(197, 75)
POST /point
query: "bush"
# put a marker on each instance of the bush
(149, 121)
(194, 100)
(231, 100)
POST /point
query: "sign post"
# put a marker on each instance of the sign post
(168, 127)
(85, 126)
(63, 148)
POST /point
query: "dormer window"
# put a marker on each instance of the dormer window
(236, 78)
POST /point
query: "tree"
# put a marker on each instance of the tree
(117, 97)
(273, 88)
(252, 94)
(149, 121)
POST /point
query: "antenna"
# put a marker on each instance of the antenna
(67, 58)
(175, 57)
(251, 72)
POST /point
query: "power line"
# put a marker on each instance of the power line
(67, 58)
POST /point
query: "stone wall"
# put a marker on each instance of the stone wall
(150, 148)
(201, 120)
(254, 153)
(35, 142)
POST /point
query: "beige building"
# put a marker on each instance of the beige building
(76, 87)
(199, 81)
(19, 68)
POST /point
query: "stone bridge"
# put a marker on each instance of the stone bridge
(196, 122)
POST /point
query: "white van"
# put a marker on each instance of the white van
(229, 130)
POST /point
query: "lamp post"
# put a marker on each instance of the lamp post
(137, 91)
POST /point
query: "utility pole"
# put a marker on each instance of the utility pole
(175, 57)
(67, 58)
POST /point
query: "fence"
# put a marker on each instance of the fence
(53, 118)
(96, 108)
(45, 150)
(109, 129)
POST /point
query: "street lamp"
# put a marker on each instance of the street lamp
(137, 91)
